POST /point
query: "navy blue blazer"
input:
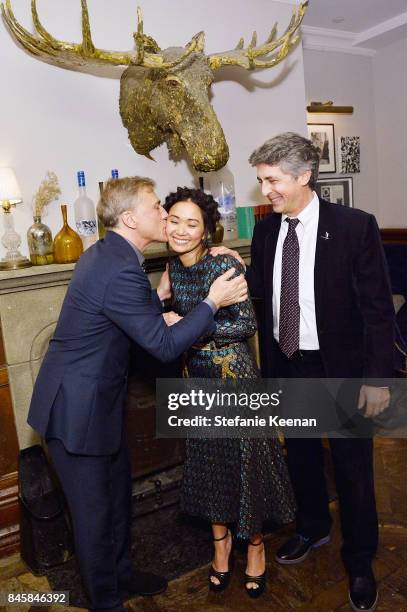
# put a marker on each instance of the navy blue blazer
(353, 301)
(79, 392)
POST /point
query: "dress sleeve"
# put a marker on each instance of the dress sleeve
(236, 322)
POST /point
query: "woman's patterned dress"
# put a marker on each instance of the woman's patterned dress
(244, 481)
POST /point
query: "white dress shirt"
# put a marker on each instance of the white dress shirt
(307, 237)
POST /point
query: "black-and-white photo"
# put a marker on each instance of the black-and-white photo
(323, 138)
(336, 190)
(349, 147)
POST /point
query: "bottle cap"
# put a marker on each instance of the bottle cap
(81, 178)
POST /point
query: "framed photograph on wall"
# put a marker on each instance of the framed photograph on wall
(322, 136)
(349, 152)
(337, 190)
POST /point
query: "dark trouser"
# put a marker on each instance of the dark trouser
(353, 465)
(98, 492)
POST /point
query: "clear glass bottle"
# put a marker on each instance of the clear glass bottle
(40, 244)
(223, 190)
(85, 214)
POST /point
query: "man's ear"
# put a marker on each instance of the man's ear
(304, 179)
(128, 218)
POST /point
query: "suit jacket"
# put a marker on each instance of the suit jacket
(79, 392)
(353, 301)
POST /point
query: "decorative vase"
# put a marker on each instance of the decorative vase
(40, 245)
(217, 236)
(67, 243)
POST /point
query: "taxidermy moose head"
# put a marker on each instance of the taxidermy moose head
(164, 94)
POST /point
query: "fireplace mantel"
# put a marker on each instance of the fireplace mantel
(30, 302)
(37, 277)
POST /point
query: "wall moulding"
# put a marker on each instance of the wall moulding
(339, 41)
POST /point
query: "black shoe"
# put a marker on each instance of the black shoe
(298, 548)
(363, 593)
(222, 577)
(143, 583)
(254, 593)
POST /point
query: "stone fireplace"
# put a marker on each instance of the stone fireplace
(30, 302)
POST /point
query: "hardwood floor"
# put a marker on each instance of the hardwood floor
(319, 584)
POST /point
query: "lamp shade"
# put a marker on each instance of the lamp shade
(9, 189)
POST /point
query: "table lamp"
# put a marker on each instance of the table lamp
(10, 195)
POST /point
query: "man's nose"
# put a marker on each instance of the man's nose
(265, 189)
(164, 213)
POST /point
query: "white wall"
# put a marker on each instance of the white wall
(390, 80)
(63, 120)
(348, 80)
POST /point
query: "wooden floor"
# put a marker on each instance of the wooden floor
(319, 584)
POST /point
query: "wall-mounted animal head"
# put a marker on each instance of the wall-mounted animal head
(164, 94)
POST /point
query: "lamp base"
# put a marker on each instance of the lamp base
(15, 264)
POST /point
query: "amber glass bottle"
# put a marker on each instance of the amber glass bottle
(67, 243)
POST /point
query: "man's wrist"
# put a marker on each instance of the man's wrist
(162, 295)
(211, 304)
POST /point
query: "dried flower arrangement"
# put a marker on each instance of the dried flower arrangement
(48, 191)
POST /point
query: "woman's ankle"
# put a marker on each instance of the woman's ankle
(220, 531)
(256, 556)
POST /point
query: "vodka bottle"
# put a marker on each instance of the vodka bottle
(85, 215)
(223, 191)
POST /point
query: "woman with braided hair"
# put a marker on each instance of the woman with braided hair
(230, 480)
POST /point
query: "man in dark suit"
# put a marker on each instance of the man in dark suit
(320, 269)
(77, 403)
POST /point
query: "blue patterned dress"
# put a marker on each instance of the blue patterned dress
(229, 480)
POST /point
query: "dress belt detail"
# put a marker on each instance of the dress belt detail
(211, 346)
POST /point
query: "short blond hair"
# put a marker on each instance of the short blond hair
(118, 195)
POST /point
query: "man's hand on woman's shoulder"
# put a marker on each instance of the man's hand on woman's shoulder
(222, 250)
(226, 290)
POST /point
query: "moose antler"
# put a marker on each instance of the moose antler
(247, 57)
(68, 54)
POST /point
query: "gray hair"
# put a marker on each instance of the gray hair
(292, 152)
(118, 195)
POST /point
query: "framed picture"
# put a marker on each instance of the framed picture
(322, 136)
(337, 190)
(349, 151)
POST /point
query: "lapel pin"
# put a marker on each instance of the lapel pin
(326, 236)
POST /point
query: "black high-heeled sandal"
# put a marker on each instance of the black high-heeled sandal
(223, 577)
(255, 592)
